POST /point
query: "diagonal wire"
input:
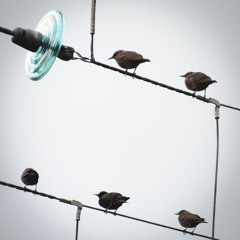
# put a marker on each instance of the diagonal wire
(135, 76)
(66, 201)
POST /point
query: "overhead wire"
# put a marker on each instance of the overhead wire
(66, 201)
(6, 31)
(135, 76)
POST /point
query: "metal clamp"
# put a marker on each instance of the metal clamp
(79, 208)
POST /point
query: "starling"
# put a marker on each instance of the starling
(189, 220)
(111, 201)
(197, 81)
(128, 59)
(30, 177)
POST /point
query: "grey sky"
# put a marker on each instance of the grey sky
(86, 129)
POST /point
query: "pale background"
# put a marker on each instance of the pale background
(86, 129)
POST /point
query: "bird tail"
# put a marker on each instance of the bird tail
(124, 200)
(203, 220)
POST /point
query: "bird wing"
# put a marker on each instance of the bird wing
(130, 56)
(29, 171)
(110, 196)
(202, 78)
(191, 217)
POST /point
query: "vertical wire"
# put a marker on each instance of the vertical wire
(92, 30)
(216, 172)
(79, 204)
(76, 236)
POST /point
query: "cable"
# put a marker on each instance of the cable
(227, 106)
(216, 172)
(135, 76)
(92, 30)
(6, 31)
(79, 209)
(76, 236)
(66, 54)
(98, 209)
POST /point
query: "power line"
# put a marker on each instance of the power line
(135, 76)
(92, 60)
(66, 201)
(70, 50)
(161, 85)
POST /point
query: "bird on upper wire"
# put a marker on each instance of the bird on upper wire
(128, 59)
(30, 177)
(111, 200)
(197, 81)
(189, 220)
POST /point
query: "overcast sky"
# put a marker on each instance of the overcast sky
(86, 129)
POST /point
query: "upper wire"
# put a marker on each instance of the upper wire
(135, 76)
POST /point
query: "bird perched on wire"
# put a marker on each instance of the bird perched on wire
(30, 177)
(189, 220)
(111, 201)
(197, 81)
(128, 59)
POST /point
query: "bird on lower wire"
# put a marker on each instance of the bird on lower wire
(30, 177)
(111, 201)
(128, 59)
(197, 81)
(189, 220)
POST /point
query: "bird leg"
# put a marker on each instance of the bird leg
(193, 230)
(184, 231)
(134, 72)
(204, 94)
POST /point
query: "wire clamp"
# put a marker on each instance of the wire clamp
(79, 208)
(217, 106)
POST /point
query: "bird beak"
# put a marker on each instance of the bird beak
(95, 194)
(182, 75)
(176, 214)
(110, 58)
